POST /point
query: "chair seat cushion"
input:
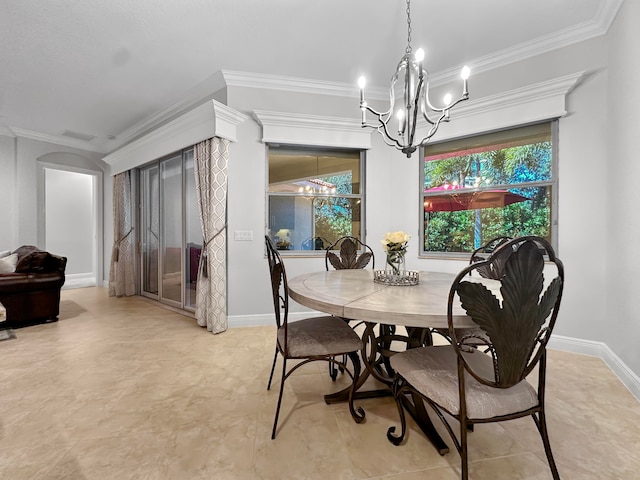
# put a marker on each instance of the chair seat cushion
(433, 372)
(319, 336)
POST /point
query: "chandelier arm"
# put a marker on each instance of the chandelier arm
(461, 99)
(432, 131)
(428, 102)
(382, 126)
(375, 112)
(392, 142)
(384, 131)
(464, 96)
(444, 112)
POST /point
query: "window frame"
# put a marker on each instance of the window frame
(552, 182)
(312, 149)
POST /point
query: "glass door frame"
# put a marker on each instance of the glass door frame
(142, 201)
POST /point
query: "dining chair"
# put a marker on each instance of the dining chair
(352, 254)
(312, 339)
(495, 257)
(314, 243)
(349, 256)
(474, 386)
(492, 249)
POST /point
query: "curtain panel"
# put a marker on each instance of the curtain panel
(122, 272)
(211, 158)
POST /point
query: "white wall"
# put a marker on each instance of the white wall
(69, 224)
(620, 327)
(8, 233)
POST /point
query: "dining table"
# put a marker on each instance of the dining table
(382, 308)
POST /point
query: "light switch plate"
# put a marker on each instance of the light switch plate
(243, 235)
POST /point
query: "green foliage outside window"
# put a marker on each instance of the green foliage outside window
(334, 215)
(516, 167)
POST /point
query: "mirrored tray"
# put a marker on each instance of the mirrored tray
(406, 278)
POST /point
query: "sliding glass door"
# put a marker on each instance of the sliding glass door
(171, 224)
(150, 220)
(171, 236)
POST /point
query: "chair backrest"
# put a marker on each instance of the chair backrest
(492, 250)
(279, 285)
(518, 324)
(314, 243)
(348, 259)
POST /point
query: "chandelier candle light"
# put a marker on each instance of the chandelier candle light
(415, 97)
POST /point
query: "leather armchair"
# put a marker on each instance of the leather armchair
(31, 294)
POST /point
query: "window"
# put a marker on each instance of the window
(482, 187)
(315, 196)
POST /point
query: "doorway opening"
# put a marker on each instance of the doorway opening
(70, 219)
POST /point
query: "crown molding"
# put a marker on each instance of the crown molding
(556, 88)
(6, 131)
(303, 129)
(607, 11)
(533, 103)
(56, 139)
(604, 17)
(199, 94)
(205, 121)
(289, 84)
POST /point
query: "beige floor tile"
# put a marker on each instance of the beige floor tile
(120, 388)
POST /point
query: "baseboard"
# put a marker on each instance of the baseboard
(558, 342)
(601, 350)
(79, 280)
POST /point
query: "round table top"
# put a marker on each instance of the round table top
(353, 294)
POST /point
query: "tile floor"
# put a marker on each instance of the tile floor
(122, 389)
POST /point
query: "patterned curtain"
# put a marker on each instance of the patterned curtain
(122, 273)
(210, 165)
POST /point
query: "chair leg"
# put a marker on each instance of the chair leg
(275, 420)
(541, 423)
(464, 458)
(273, 367)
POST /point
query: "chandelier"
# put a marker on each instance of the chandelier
(415, 96)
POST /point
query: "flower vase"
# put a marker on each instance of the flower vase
(395, 263)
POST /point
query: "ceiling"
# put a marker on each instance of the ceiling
(101, 68)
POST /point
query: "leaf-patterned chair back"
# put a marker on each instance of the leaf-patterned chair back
(493, 251)
(348, 259)
(519, 323)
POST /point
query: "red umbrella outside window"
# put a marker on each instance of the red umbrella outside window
(468, 200)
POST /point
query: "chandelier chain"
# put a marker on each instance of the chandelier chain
(408, 49)
(418, 118)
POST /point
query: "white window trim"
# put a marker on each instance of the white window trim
(530, 104)
(312, 130)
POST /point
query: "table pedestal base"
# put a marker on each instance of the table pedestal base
(375, 355)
